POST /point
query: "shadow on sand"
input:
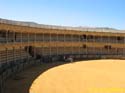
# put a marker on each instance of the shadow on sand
(21, 82)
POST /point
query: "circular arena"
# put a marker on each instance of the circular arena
(93, 76)
(96, 76)
(28, 50)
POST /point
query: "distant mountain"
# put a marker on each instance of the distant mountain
(104, 28)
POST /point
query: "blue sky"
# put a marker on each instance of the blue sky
(93, 13)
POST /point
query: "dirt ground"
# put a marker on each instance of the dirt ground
(95, 76)
(21, 82)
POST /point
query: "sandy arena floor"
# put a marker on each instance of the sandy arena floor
(97, 76)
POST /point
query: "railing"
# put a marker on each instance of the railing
(11, 62)
(10, 37)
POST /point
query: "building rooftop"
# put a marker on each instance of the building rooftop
(33, 24)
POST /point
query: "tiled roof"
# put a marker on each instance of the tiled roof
(32, 24)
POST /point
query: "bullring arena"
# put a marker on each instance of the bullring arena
(34, 58)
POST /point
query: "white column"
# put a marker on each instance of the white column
(50, 44)
(34, 44)
(28, 45)
(71, 44)
(21, 45)
(64, 44)
(86, 46)
(14, 37)
(79, 42)
(6, 55)
(57, 43)
(7, 36)
(14, 54)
